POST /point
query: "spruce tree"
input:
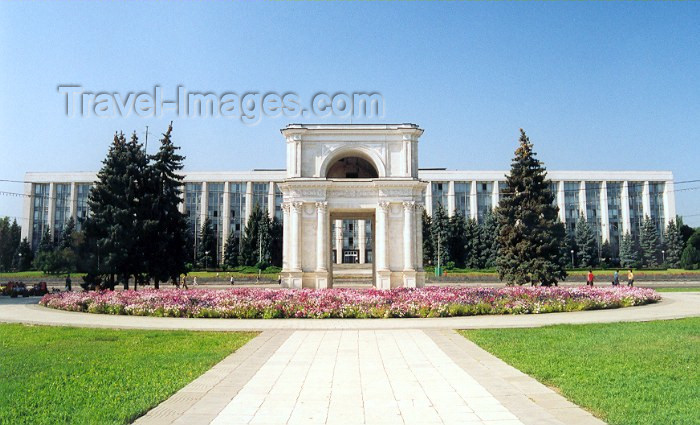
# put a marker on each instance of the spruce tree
(488, 235)
(649, 243)
(673, 244)
(24, 256)
(458, 239)
(66, 238)
(475, 250)
(249, 244)
(231, 251)
(276, 242)
(46, 243)
(428, 249)
(206, 250)
(440, 234)
(530, 237)
(168, 230)
(586, 242)
(606, 253)
(628, 251)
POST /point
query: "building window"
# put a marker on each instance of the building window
(571, 205)
(61, 210)
(614, 192)
(40, 208)
(439, 193)
(237, 212)
(215, 210)
(82, 209)
(462, 203)
(260, 194)
(635, 190)
(193, 208)
(279, 198)
(656, 204)
(484, 199)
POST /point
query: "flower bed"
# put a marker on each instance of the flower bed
(250, 303)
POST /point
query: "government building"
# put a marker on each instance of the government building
(354, 195)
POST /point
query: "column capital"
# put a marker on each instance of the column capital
(286, 206)
(322, 206)
(296, 206)
(419, 207)
(409, 205)
(384, 206)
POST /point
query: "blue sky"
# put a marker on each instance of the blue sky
(611, 86)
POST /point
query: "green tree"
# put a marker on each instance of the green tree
(649, 243)
(606, 253)
(586, 242)
(276, 242)
(428, 249)
(458, 239)
(206, 250)
(690, 259)
(257, 239)
(628, 251)
(530, 237)
(440, 234)
(10, 237)
(488, 237)
(66, 238)
(46, 242)
(167, 225)
(24, 256)
(673, 244)
(475, 247)
(231, 250)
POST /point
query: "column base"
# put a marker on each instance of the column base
(321, 279)
(383, 279)
(409, 279)
(292, 280)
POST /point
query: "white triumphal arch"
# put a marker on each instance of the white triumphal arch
(362, 172)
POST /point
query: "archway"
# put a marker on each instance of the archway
(352, 167)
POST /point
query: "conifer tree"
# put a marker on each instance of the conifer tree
(66, 239)
(428, 249)
(488, 235)
(530, 237)
(206, 250)
(276, 242)
(628, 251)
(673, 244)
(606, 253)
(475, 246)
(458, 239)
(440, 234)
(168, 226)
(249, 243)
(46, 243)
(586, 242)
(649, 243)
(24, 256)
(231, 251)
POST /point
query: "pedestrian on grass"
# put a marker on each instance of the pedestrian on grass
(589, 278)
(69, 284)
(616, 278)
(630, 278)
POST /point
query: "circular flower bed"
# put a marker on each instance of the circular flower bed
(251, 303)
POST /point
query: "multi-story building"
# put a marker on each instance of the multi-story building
(613, 202)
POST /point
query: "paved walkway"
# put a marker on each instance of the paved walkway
(674, 305)
(365, 377)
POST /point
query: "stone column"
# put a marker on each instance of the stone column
(495, 195)
(473, 210)
(362, 240)
(669, 200)
(286, 238)
(338, 241)
(429, 199)
(646, 200)
(582, 205)
(408, 228)
(74, 201)
(52, 209)
(604, 216)
(451, 198)
(271, 200)
(226, 216)
(248, 201)
(204, 202)
(418, 218)
(295, 239)
(561, 201)
(321, 236)
(380, 240)
(625, 206)
(27, 222)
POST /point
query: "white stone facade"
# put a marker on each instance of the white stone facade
(614, 201)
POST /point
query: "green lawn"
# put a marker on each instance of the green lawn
(689, 289)
(57, 375)
(625, 373)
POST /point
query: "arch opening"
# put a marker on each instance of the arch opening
(352, 167)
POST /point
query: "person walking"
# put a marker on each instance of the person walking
(231, 280)
(616, 278)
(589, 278)
(184, 282)
(630, 278)
(69, 284)
(194, 281)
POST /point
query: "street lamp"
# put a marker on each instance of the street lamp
(663, 256)
(206, 260)
(572, 259)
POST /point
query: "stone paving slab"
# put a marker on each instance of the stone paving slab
(366, 377)
(202, 399)
(674, 305)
